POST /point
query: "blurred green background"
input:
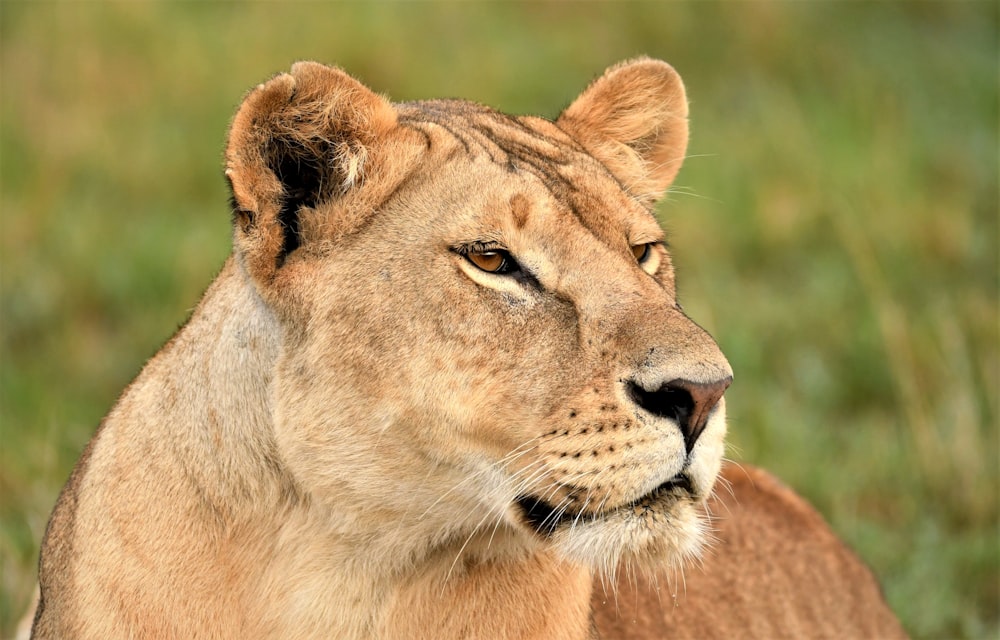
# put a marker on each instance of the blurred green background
(835, 227)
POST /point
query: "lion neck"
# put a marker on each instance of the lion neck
(537, 596)
(319, 567)
(529, 596)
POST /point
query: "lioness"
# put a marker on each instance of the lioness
(442, 382)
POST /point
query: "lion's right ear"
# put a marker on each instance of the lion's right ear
(634, 120)
(300, 140)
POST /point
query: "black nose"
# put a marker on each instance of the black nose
(688, 403)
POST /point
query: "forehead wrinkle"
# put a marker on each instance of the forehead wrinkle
(542, 217)
(514, 144)
(607, 215)
(555, 174)
(529, 146)
(553, 237)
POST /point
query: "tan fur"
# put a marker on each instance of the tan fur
(776, 570)
(359, 433)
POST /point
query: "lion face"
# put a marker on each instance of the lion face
(482, 342)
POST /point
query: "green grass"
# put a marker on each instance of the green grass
(836, 228)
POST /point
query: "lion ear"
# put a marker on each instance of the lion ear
(301, 139)
(634, 120)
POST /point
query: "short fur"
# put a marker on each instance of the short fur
(360, 433)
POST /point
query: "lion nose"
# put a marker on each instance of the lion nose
(688, 403)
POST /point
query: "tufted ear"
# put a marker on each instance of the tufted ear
(301, 140)
(634, 120)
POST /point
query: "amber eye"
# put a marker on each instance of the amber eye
(642, 252)
(498, 262)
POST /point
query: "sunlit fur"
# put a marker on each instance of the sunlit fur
(336, 443)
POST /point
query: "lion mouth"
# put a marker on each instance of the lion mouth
(546, 518)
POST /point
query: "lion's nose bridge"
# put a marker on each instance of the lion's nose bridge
(676, 370)
(631, 321)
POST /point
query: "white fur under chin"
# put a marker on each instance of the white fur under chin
(624, 539)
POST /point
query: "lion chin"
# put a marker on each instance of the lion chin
(660, 531)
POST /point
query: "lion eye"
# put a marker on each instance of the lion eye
(498, 262)
(642, 251)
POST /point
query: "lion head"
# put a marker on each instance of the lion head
(481, 343)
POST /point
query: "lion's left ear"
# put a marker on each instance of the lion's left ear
(634, 120)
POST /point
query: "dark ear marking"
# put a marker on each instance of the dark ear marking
(288, 217)
(302, 180)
